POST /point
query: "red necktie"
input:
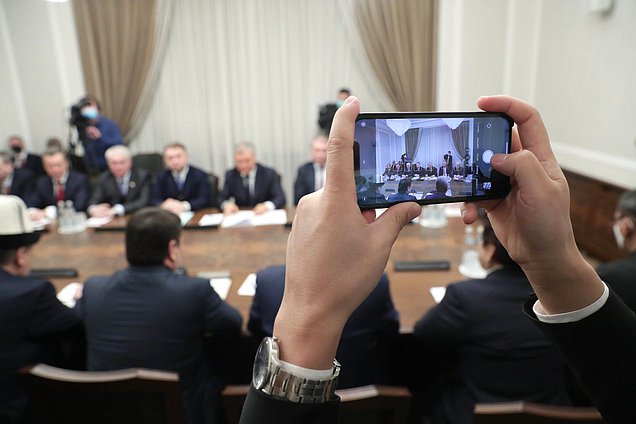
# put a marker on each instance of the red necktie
(60, 191)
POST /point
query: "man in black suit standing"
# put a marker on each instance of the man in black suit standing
(372, 324)
(30, 313)
(181, 187)
(60, 184)
(150, 316)
(311, 176)
(448, 158)
(22, 159)
(250, 184)
(619, 275)
(121, 189)
(18, 182)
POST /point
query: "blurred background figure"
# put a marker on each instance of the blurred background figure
(311, 176)
(328, 110)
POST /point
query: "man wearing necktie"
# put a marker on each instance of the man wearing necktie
(311, 176)
(250, 184)
(121, 189)
(59, 184)
(181, 187)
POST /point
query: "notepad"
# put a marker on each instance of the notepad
(211, 220)
(249, 218)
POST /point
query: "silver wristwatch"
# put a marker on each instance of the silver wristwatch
(269, 377)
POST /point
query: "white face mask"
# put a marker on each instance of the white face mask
(618, 235)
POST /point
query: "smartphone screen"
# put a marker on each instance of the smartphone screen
(429, 157)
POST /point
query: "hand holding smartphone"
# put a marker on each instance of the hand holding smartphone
(429, 158)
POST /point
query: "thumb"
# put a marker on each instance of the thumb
(392, 221)
(522, 166)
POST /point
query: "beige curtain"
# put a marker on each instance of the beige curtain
(121, 46)
(399, 38)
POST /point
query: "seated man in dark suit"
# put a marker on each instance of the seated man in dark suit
(403, 192)
(499, 355)
(430, 170)
(59, 184)
(18, 182)
(311, 176)
(150, 316)
(31, 316)
(122, 189)
(619, 274)
(250, 184)
(181, 187)
(22, 159)
(373, 323)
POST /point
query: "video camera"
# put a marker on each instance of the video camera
(77, 119)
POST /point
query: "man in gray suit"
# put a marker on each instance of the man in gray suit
(122, 188)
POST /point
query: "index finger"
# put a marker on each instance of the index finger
(340, 149)
(534, 136)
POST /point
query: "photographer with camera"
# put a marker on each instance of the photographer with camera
(96, 132)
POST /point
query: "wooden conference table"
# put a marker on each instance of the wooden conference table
(245, 250)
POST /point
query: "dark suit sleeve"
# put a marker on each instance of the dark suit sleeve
(300, 188)
(277, 195)
(97, 192)
(226, 192)
(601, 351)
(262, 409)
(255, 322)
(390, 316)
(49, 315)
(142, 196)
(158, 191)
(445, 324)
(80, 201)
(200, 197)
(220, 318)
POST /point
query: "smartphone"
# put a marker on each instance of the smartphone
(429, 158)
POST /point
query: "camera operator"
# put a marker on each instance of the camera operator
(97, 133)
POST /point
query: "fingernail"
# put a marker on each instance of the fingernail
(349, 100)
(499, 158)
(463, 212)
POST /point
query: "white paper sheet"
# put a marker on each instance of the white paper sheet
(249, 218)
(211, 219)
(221, 286)
(185, 217)
(67, 294)
(438, 293)
(94, 222)
(248, 288)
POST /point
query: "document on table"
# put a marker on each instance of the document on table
(438, 293)
(67, 295)
(249, 218)
(95, 222)
(185, 217)
(220, 281)
(211, 220)
(248, 288)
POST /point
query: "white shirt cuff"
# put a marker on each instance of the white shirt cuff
(186, 206)
(270, 205)
(307, 373)
(571, 316)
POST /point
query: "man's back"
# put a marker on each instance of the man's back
(151, 317)
(499, 354)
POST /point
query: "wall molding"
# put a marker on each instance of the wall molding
(600, 166)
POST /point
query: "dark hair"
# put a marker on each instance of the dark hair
(404, 185)
(501, 255)
(7, 255)
(441, 185)
(345, 90)
(627, 204)
(148, 235)
(88, 99)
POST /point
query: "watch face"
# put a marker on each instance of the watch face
(261, 363)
